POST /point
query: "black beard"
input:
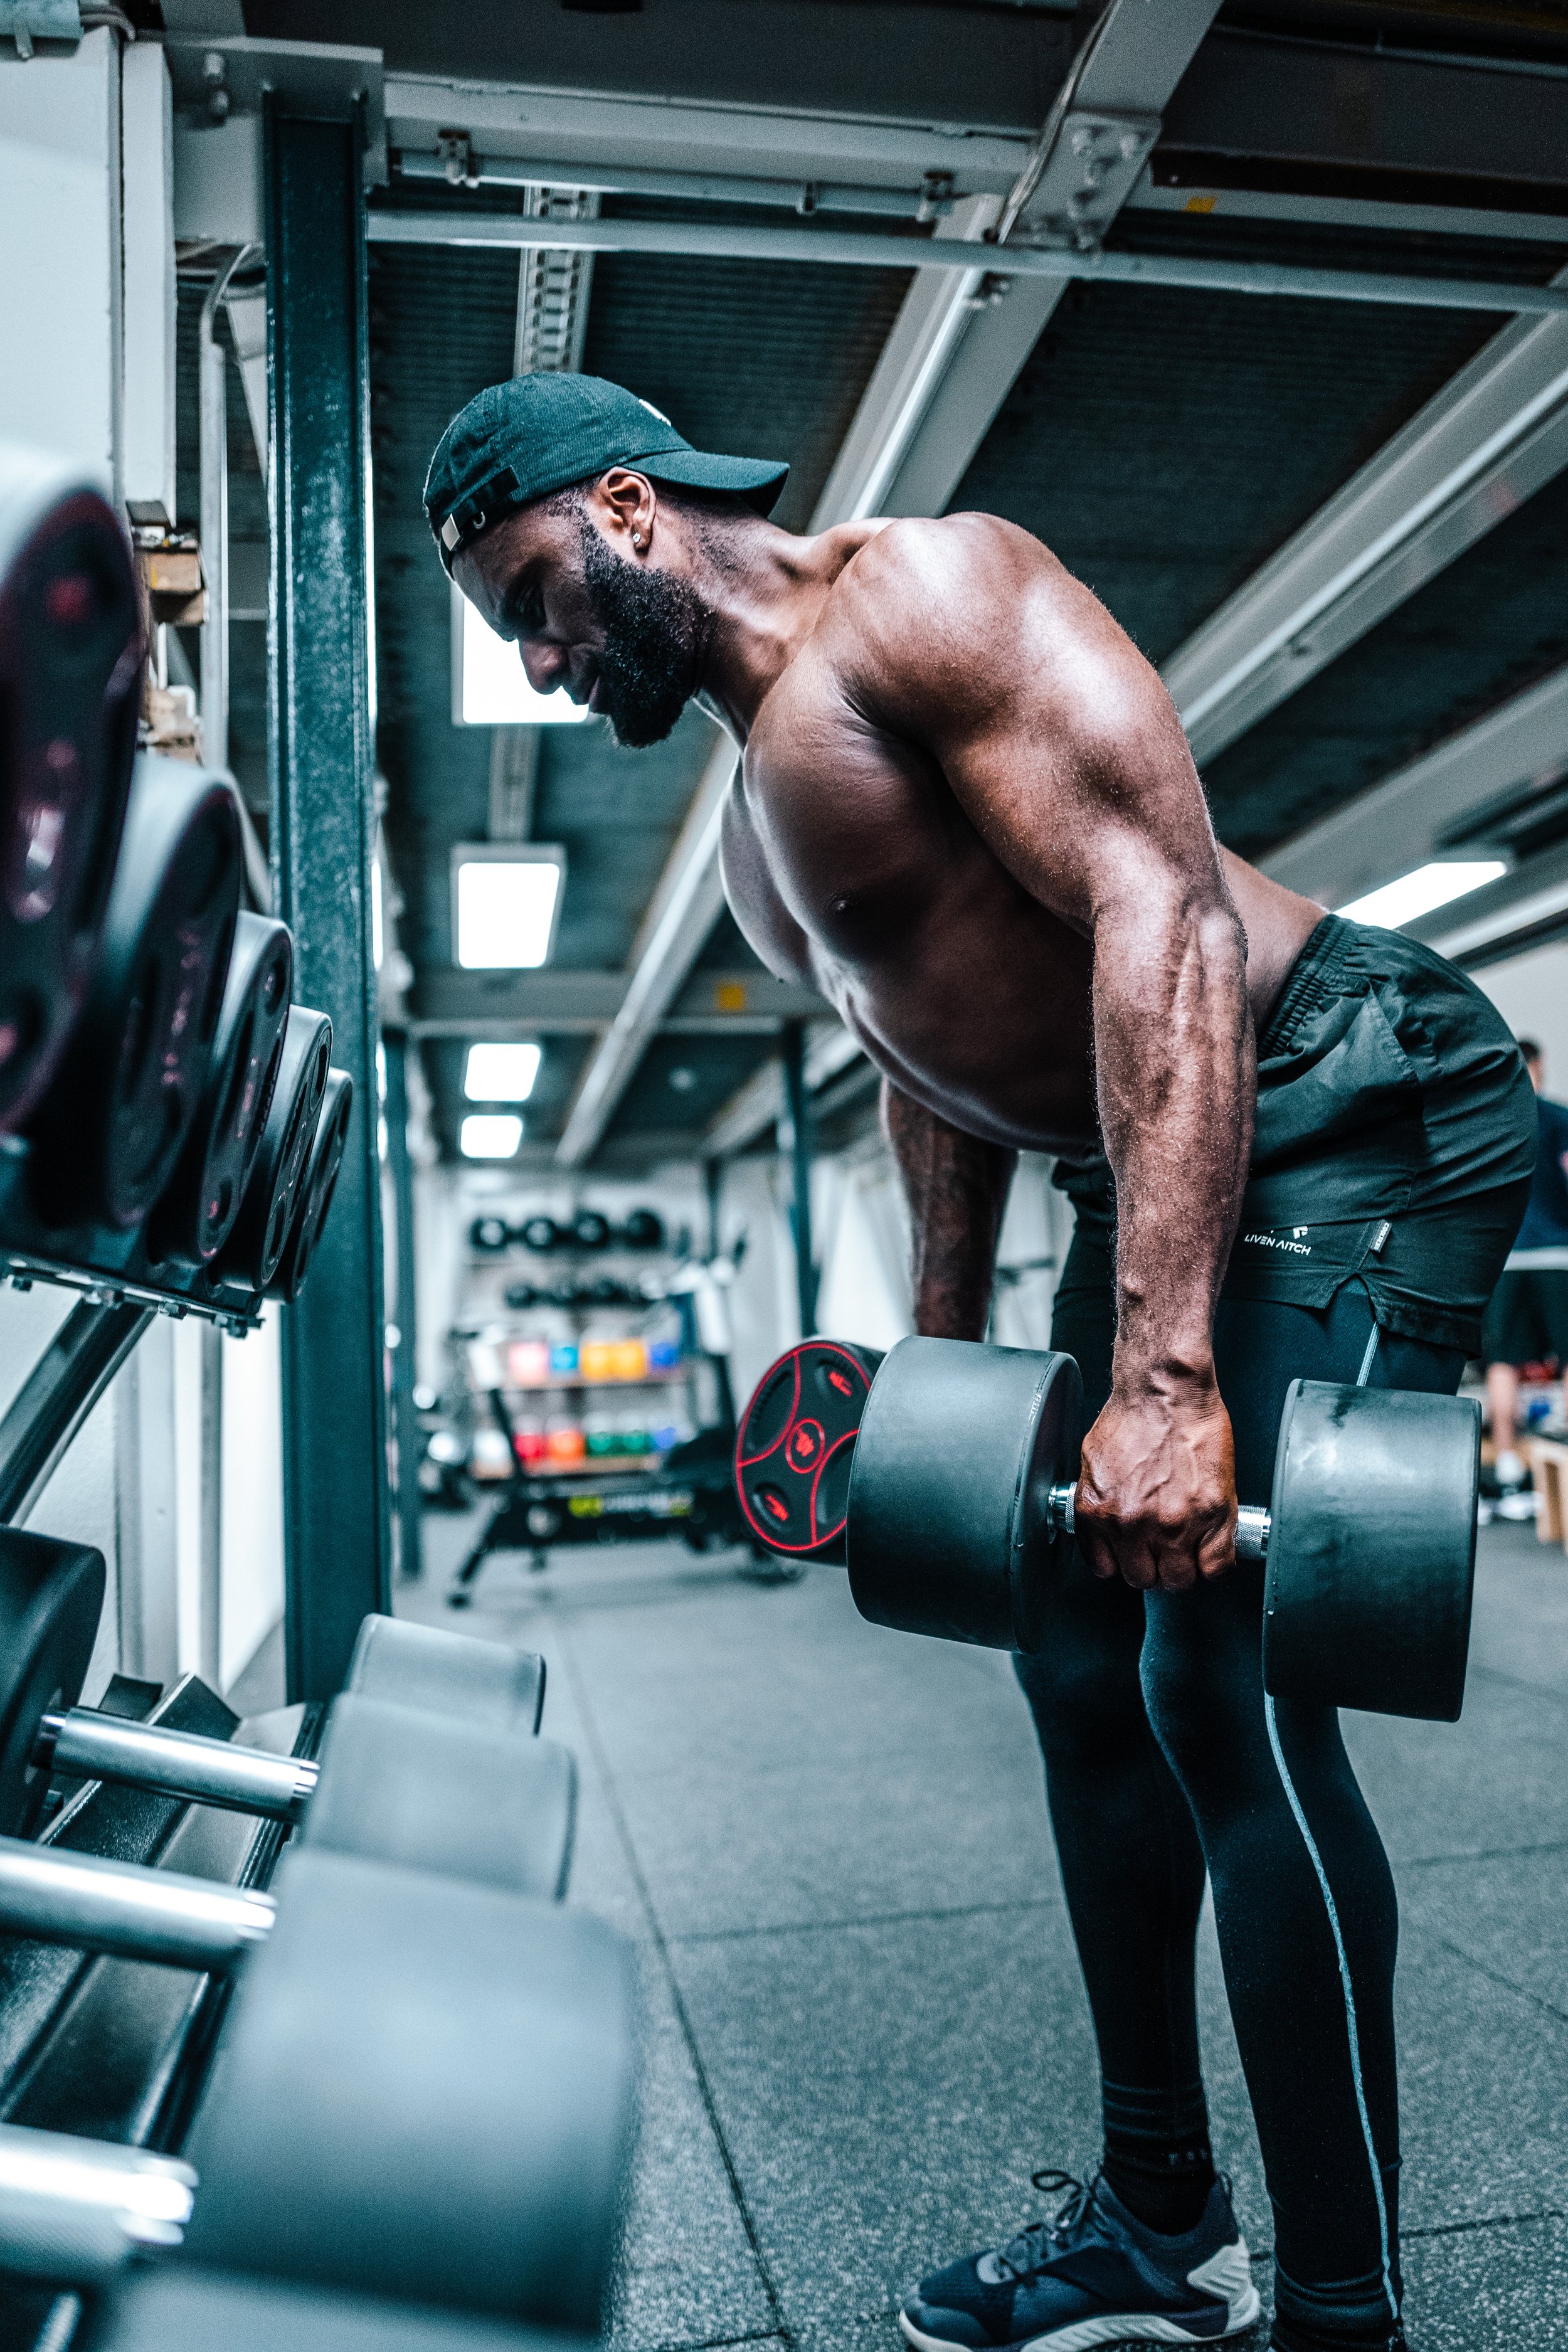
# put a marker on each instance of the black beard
(656, 630)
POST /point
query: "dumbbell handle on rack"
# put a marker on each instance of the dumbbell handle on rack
(1251, 1522)
(127, 1910)
(86, 1746)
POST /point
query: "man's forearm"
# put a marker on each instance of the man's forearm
(1177, 1080)
(956, 1187)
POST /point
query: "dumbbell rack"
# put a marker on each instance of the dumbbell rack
(109, 1269)
(108, 2048)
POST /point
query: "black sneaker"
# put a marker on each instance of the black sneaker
(1093, 2276)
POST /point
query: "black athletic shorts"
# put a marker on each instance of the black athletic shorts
(1394, 1143)
(1527, 1322)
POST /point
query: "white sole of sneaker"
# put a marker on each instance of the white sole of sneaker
(1116, 2327)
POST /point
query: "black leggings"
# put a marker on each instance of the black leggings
(1162, 1756)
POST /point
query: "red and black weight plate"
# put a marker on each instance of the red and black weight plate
(112, 1124)
(795, 1444)
(196, 1211)
(251, 1252)
(315, 1192)
(70, 680)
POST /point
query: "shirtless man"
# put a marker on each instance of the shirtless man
(965, 811)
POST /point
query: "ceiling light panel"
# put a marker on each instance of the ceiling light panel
(1418, 893)
(489, 685)
(496, 1072)
(490, 1135)
(506, 902)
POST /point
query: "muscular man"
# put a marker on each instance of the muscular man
(965, 812)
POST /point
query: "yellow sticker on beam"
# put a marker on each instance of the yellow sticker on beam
(729, 996)
(1200, 203)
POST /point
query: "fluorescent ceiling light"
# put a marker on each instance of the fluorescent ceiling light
(489, 685)
(505, 902)
(499, 1073)
(490, 1134)
(1419, 892)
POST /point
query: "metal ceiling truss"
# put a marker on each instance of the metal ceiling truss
(1480, 446)
(854, 249)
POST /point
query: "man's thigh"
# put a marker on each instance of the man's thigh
(1261, 1346)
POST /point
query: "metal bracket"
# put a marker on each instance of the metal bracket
(216, 76)
(1086, 177)
(455, 153)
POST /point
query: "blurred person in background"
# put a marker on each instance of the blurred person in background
(1527, 1322)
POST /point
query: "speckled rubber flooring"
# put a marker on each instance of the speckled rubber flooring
(866, 2023)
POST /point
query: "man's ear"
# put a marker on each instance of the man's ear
(625, 505)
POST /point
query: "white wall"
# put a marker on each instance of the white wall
(60, 253)
(1530, 992)
(251, 1520)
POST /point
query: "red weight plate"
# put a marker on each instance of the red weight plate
(795, 1443)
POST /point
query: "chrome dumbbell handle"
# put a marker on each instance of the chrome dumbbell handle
(1251, 1522)
(75, 2212)
(86, 1746)
(134, 1913)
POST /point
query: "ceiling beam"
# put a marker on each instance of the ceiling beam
(556, 1003)
(1479, 448)
(758, 1105)
(849, 249)
(1413, 814)
(828, 95)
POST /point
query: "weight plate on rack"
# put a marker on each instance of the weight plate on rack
(196, 1210)
(251, 1252)
(316, 1188)
(110, 1127)
(795, 1444)
(540, 1233)
(71, 678)
(51, 1598)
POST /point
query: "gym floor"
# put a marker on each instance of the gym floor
(867, 2022)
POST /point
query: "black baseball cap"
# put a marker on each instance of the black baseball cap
(535, 433)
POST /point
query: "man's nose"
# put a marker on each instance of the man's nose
(546, 668)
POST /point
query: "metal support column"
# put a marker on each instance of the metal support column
(796, 1138)
(404, 1422)
(337, 1492)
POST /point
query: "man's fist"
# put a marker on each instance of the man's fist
(1156, 1495)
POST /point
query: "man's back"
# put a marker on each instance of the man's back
(923, 789)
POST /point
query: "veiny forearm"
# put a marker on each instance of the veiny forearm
(1176, 1078)
(956, 1187)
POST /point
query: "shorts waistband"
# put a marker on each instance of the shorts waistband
(1327, 966)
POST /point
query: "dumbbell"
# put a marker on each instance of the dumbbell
(490, 1234)
(420, 1785)
(70, 679)
(196, 1210)
(109, 1130)
(255, 1243)
(478, 1682)
(316, 1187)
(423, 2087)
(960, 1506)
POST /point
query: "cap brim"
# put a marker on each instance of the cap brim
(753, 478)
